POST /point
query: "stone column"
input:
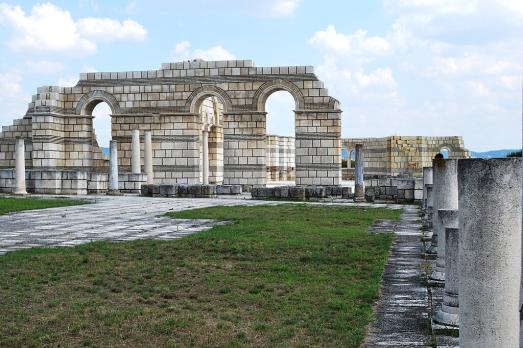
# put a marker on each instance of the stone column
(205, 155)
(427, 180)
(148, 157)
(447, 218)
(113, 170)
(489, 263)
(445, 196)
(428, 216)
(135, 152)
(448, 313)
(359, 185)
(20, 188)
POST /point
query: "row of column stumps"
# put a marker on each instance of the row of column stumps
(477, 220)
(135, 160)
(20, 185)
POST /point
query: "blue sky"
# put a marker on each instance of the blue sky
(408, 67)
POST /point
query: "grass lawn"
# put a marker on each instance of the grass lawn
(11, 204)
(287, 275)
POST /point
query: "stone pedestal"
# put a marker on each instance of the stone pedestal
(445, 196)
(489, 264)
(135, 152)
(359, 184)
(447, 218)
(148, 157)
(20, 188)
(447, 315)
(427, 180)
(113, 169)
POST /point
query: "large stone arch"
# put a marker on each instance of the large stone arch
(269, 87)
(196, 98)
(87, 102)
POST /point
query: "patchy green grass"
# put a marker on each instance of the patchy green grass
(11, 204)
(287, 275)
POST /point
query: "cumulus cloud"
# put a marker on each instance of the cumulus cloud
(50, 29)
(183, 51)
(357, 43)
(12, 98)
(107, 29)
(428, 75)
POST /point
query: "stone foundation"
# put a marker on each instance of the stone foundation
(301, 193)
(189, 191)
(69, 182)
(398, 190)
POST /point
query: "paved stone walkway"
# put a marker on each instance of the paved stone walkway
(110, 218)
(402, 312)
(119, 218)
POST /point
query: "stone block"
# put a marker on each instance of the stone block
(145, 190)
(195, 190)
(167, 190)
(208, 190)
(346, 192)
(297, 193)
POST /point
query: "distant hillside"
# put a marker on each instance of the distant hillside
(492, 154)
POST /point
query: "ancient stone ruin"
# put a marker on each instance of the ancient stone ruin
(205, 119)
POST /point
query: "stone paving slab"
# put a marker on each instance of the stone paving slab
(119, 218)
(402, 313)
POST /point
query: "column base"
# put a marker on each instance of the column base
(446, 319)
(20, 192)
(359, 199)
(437, 279)
(114, 193)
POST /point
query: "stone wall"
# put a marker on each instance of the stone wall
(398, 190)
(280, 158)
(404, 155)
(59, 135)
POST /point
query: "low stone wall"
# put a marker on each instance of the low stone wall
(69, 182)
(301, 193)
(131, 183)
(394, 189)
(189, 191)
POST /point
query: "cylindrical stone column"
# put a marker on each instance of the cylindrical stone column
(427, 220)
(148, 157)
(205, 155)
(427, 180)
(448, 313)
(489, 264)
(445, 196)
(447, 218)
(135, 152)
(113, 170)
(359, 184)
(20, 188)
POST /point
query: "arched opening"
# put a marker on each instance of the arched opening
(445, 152)
(102, 127)
(280, 147)
(211, 149)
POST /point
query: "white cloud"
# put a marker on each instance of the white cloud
(357, 43)
(44, 67)
(50, 29)
(12, 98)
(428, 75)
(280, 8)
(107, 29)
(183, 51)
